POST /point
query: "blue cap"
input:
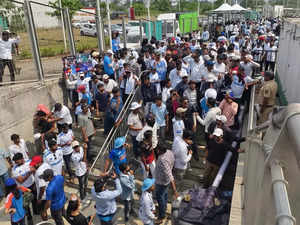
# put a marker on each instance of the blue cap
(10, 182)
(148, 183)
(119, 142)
(210, 63)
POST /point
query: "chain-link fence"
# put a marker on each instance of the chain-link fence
(51, 36)
(19, 65)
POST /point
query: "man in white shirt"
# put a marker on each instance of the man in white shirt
(196, 69)
(109, 84)
(80, 164)
(64, 140)
(54, 157)
(271, 52)
(176, 75)
(248, 64)
(128, 82)
(40, 183)
(6, 44)
(18, 146)
(62, 116)
(23, 174)
(135, 125)
(182, 155)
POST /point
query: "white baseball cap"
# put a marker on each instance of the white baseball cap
(218, 132)
(135, 106)
(110, 52)
(210, 93)
(105, 76)
(221, 118)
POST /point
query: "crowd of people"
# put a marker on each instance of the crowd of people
(190, 84)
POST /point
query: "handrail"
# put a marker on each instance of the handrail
(117, 131)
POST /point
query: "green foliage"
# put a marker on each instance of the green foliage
(139, 9)
(16, 14)
(73, 6)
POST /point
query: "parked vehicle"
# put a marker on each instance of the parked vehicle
(133, 28)
(88, 30)
(79, 24)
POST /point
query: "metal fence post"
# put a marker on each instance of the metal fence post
(141, 31)
(99, 27)
(33, 40)
(154, 29)
(191, 25)
(69, 29)
(183, 26)
(124, 33)
(174, 28)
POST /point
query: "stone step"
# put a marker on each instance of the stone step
(194, 175)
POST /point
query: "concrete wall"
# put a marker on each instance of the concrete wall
(288, 60)
(18, 105)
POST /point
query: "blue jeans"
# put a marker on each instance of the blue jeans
(3, 178)
(161, 192)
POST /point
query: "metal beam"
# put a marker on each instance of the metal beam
(33, 39)
(124, 33)
(67, 22)
(99, 27)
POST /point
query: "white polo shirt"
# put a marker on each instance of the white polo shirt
(55, 160)
(6, 46)
(21, 148)
(110, 85)
(64, 138)
(178, 127)
(39, 182)
(65, 114)
(80, 166)
(134, 120)
(181, 155)
(23, 170)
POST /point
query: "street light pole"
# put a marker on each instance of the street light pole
(109, 23)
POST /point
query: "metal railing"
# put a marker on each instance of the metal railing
(265, 197)
(122, 128)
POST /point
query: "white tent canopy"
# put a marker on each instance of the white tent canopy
(224, 8)
(237, 7)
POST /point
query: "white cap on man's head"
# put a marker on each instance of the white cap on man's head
(218, 132)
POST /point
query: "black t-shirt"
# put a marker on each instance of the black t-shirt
(103, 100)
(44, 125)
(217, 152)
(77, 220)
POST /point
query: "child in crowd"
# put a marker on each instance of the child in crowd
(147, 207)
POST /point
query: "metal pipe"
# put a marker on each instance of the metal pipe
(251, 109)
(141, 31)
(99, 27)
(69, 29)
(293, 125)
(174, 28)
(124, 33)
(222, 170)
(109, 23)
(33, 40)
(63, 24)
(281, 199)
(149, 24)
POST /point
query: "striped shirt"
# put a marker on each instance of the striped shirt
(164, 167)
(54, 160)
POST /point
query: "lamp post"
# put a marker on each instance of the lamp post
(147, 4)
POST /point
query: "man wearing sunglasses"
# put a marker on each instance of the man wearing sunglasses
(54, 157)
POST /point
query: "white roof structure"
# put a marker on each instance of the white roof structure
(237, 7)
(224, 8)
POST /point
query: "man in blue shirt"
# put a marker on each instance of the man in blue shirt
(108, 67)
(117, 155)
(159, 110)
(55, 196)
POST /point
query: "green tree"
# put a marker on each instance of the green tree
(139, 9)
(73, 6)
(15, 13)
